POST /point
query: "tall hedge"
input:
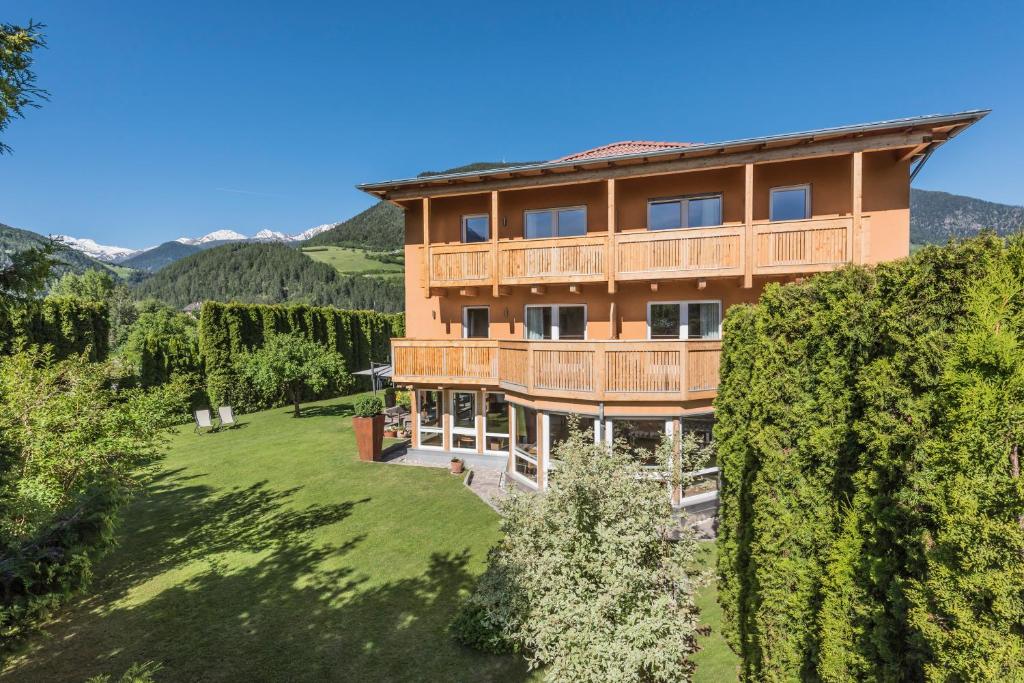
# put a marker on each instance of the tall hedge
(70, 326)
(227, 329)
(872, 519)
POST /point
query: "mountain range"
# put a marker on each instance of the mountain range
(114, 254)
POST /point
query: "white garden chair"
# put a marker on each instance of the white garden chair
(203, 420)
(227, 417)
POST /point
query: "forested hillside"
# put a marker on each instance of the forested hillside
(159, 257)
(268, 273)
(13, 240)
(379, 228)
(935, 217)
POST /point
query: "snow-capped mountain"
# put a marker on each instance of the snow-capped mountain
(103, 252)
(215, 236)
(315, 231)
(273, 235)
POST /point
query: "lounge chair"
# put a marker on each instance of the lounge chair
(203, 420)
(227, 417)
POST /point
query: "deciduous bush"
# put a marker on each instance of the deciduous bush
(368, 406)
(869, 428)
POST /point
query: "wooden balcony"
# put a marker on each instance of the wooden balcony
(779, 248)
(613, 370)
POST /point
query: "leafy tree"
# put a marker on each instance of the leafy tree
(92, 285)
(18, 89)
(585, 582)
(290, 365)
(24, 274)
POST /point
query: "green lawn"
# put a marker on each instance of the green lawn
(349, 261)
(269, 552)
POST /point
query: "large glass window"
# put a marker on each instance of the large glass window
(642, 437)
(556, 322)
(429, 419)
(526, 442)
(684, 212)
(476, 228)
(567, 222)
(558, 429)
(495, 423)
(684, 320)
(790, 203)
(476, 322)
(464, 420)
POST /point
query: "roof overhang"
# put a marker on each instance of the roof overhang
(912, 137)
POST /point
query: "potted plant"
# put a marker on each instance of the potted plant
(455, 466)
(390, 432)
(369, 425)
(389, 397)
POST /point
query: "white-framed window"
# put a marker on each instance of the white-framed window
(496, 423)
(463, 420)
(642, 436)
(684, 320)
(476, 322)
(556, 430)
(525, 444)
(699, 211)
(792, 203)
(430, 418)
(569, 221)
(476, 228)
(703, 483)
(556, 321)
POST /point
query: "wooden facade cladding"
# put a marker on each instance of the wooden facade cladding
(611, 370)
(763, 248)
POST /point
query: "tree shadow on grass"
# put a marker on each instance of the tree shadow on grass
(292, 610)
(331, 410)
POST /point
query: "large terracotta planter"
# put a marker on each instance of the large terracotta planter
(369, 436)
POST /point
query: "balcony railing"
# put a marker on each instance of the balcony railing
(788, 247)
(595, 370)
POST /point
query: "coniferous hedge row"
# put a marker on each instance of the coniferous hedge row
(872, 510)
(228, 329)
(70, 326)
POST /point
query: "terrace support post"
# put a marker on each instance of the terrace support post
(748, 226)
(495, 273)
(609, 248)
(613, 321)
(426, 244)
(677, 460)
(857, 189)
(542, 452)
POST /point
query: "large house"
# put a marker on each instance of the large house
(595, 284)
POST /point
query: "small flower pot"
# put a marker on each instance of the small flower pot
(455, 466)
(369, 436)
(390, 433)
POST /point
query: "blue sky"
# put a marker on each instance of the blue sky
(178, 118)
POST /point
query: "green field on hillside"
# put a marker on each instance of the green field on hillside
(270, 552)
(351, 261)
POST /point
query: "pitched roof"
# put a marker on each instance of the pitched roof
(615, 149)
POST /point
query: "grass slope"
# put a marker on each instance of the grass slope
(269, 552)
(346, 261)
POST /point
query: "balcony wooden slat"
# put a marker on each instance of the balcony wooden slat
(679, 253)
(564, 259)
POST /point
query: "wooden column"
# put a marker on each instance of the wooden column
(414, 417)
(609, 250)
(856, 186)
(495, 227)
(677, 460)
(426, 245)
(748, 226)
(613, 321)
(541, 452)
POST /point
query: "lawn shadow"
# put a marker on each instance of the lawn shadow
(293, 610)
(332, 410)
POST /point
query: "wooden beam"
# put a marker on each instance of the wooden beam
(857, 190)
(912, 152)
(426, 243)
(654, 286)
(495, 226)
(840, 148)
(538, 289)
(575, 289)
(609, 247)
(468, 291)
(748, 226)
(504, 290)
(702, 284)
(613, 321)
(437, 291)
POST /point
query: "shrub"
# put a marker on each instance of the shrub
(368, 406)
(404, 399)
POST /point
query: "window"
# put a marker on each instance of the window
(568, 222)
(476, 322)
(642, 437)
(684, 320)
(556, 322)
(526, 443)
(558, 430)
(495, 423)
(476, 228)
(790, 203)
(430, 421)
(684, 212)
(464, 420)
